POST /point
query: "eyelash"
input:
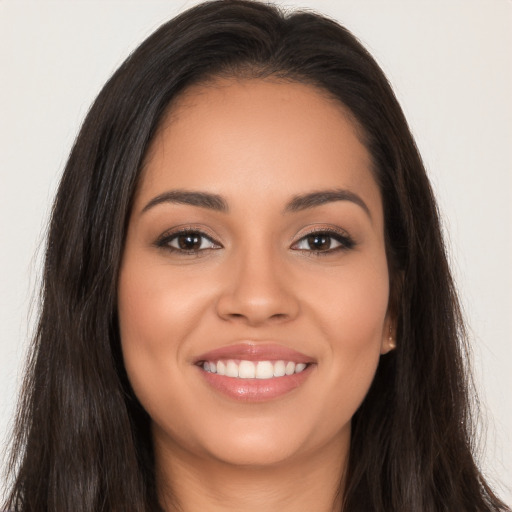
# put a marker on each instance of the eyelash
(342, 238)
(345, 241)
(165, 240)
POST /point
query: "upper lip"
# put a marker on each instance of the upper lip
(251, 351)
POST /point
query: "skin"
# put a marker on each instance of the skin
(258, 144)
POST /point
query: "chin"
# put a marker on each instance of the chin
(256, 451)
(268, 443)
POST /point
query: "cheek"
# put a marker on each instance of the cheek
(160, 311)
(156, 307)
(351, 305)
(154, 318)
(352, 317)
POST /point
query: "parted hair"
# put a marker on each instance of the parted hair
(82, 441)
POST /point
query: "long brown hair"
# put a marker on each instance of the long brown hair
(82, 440)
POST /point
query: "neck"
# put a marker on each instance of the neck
(188, 483)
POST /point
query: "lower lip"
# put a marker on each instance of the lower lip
(256, 390)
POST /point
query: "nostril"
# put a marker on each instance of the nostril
(279, 316)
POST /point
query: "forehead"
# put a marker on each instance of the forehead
(260, 138)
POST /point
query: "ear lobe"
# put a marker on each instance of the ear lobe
(389, 333)
(389, 340)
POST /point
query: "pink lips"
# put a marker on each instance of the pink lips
(255, 390)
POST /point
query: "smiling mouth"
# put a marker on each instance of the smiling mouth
(254, 372)
(245, 369)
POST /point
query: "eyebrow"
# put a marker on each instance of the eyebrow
(201, 199)
(313, 199)
(218, 203)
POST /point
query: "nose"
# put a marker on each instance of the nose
(258, 291)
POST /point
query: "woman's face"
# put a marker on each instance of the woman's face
(254, 286)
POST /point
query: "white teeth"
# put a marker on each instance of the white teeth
(231, 369)
(246, 370)
(252, 369)
(221, 368)
(264, 370)
(279, 369)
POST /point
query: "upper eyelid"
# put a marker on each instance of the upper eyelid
(189, 229)
(348, 241)
(164, 243)
(321, 229)
(176, 231)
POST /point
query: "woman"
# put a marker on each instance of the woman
(246, 297)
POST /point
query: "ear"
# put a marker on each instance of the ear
(388, 342)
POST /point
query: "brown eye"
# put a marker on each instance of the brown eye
(319, 242)
(324, 242)
(188, 242)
